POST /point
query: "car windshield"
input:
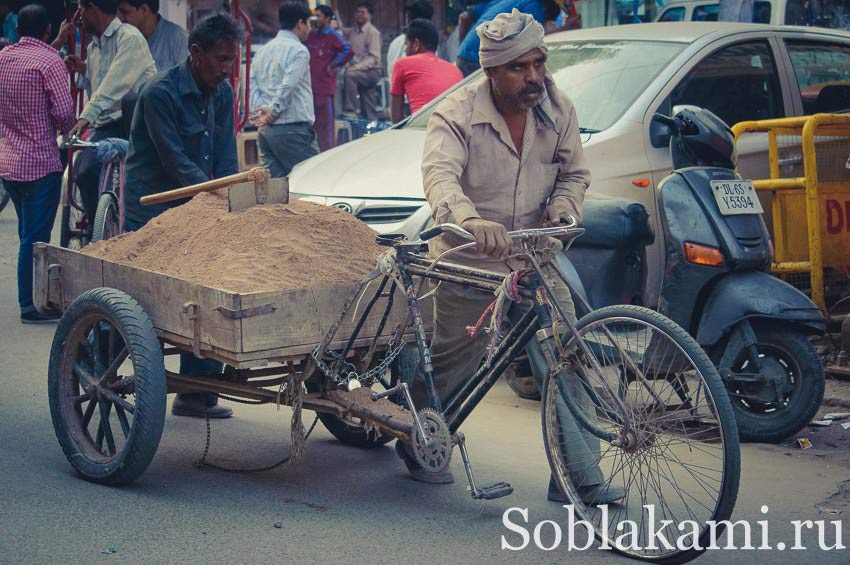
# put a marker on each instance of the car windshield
(602, 78)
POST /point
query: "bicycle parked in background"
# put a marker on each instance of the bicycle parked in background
(77, 229)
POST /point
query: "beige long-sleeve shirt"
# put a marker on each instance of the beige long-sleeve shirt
(471, 168)
(119, 63)
(366, 43)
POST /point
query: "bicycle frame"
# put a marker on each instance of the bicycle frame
(536, 320)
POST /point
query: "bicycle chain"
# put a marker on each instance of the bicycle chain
(365, 379)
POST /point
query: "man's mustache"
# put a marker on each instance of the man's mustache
(532, 89)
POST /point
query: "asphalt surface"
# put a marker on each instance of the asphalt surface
(340, 505)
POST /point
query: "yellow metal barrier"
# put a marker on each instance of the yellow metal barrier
(808, 127)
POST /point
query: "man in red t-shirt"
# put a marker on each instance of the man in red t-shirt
(328, 52)
(421, 75)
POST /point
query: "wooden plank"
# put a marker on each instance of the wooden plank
(293, 322)
(302, 317)
(165, 298)
(76, 272)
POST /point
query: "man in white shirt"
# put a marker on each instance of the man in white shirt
(119, 63)
(421, 9)
(282, 94)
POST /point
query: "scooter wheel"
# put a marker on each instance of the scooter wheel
(783, 405)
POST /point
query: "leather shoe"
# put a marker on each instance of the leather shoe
(592, 495)
(196, 407)
(417, 473)
(34, 317)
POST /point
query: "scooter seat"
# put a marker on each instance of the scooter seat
(615, 223)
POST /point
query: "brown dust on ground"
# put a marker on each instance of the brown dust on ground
(269, 247)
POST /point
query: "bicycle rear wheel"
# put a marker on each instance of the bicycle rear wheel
(672, 442)
(106, 221)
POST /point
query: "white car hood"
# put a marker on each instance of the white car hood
(383, 165)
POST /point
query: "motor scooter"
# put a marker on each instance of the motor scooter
(716, 283)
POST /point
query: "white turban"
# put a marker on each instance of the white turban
(508, 36)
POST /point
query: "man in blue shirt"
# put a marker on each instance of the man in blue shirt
(467, 56)
(182, 134)
(282, 94)
(166, 40)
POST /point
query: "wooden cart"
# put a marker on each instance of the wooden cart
(107, 370)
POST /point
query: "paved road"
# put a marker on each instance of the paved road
(340, 505)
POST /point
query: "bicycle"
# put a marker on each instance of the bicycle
(660, 412)
(623, 377)
(76, 228)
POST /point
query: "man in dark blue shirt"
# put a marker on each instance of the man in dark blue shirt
(182, 134)
(182, 130)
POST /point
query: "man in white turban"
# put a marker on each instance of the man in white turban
(503, 154)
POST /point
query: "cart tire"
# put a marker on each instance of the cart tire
(106, 359)
(106, 221)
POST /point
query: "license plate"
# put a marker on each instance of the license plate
(736, 197)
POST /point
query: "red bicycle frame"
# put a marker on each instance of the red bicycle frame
(78, 95)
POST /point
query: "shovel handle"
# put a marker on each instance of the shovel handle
(257, 174)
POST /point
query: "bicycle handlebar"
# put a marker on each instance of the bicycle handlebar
(553, 231)
(75, 142)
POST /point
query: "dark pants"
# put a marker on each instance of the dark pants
(323, 107)
(362, 83)
(35, 203)
(189, 364)
(283, 146)
(466, 66)
(88, 167)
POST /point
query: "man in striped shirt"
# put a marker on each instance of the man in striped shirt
(35, 103)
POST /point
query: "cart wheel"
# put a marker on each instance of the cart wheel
(106, 223)
(106, 385)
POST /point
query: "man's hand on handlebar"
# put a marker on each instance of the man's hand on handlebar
(78, 128)
(491, 238)
(558, 215)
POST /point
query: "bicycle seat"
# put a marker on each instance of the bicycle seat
(615, 223)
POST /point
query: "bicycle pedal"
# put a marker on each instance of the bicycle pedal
(493, 492)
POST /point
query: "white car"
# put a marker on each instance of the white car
(617, 77)
(834, 15)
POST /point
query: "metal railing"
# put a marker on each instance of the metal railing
(808, 128)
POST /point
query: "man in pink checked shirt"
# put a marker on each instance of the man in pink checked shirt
(35, 103)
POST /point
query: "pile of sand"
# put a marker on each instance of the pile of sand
(270, 247)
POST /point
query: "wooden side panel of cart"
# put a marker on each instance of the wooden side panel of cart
(243, 330)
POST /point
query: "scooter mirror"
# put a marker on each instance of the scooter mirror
(659, 134)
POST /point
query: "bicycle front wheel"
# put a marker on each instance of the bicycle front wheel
(640, 429)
